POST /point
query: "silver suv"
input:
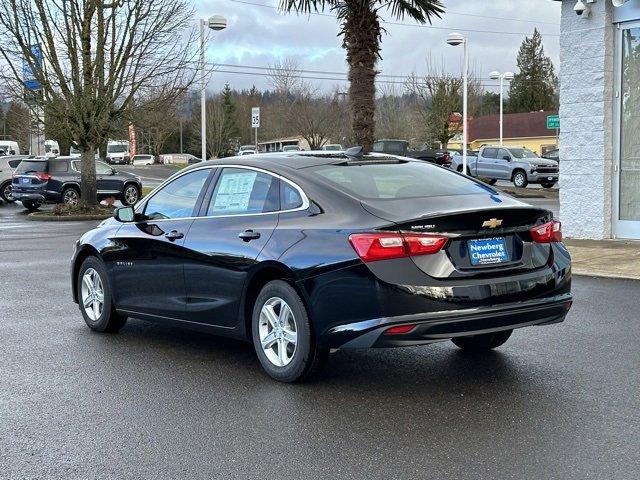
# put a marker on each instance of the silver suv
(518, 165)
(7, 166)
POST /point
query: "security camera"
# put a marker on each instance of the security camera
(580, 8)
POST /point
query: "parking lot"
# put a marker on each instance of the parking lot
(159, 402)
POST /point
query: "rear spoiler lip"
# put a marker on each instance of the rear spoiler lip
(373, 211)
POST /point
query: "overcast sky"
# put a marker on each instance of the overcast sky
(257, 36)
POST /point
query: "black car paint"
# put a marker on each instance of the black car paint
(50, 191)
(207, 279)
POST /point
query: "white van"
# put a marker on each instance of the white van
(7, 147)
(51, 148)
(118, 151)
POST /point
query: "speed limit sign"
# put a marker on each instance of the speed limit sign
(255, 117)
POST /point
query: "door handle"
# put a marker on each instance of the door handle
(249, 235)
(174, 235)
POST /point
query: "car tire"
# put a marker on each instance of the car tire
(548, 184)
(6, 192)
(483, 342)
(70, 196)
(99, 316)
(130, 195)
(520, 179)
(31, 205)
(283, 360)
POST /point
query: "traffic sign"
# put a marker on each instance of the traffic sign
(553, 122)
(255, 117)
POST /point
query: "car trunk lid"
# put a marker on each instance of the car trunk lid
(488, 234)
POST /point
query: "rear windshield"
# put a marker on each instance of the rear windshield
(29, 166)
(398, 180)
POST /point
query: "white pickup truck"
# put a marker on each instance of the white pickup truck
(516, 164)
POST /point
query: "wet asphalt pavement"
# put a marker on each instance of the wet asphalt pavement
(159, 402)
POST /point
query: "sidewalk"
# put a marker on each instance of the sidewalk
(605, 258)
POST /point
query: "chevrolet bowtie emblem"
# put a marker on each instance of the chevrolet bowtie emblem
(492, 223)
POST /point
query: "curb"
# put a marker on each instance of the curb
(48, 217)
(527, 194)
(597, 274)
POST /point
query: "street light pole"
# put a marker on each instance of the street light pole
(455, 39)
(502, 76)
(203, 88)
(217, 23)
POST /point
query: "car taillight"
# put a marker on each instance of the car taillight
(547, 233)
(43, 177)
(372, 247)
(399, 330)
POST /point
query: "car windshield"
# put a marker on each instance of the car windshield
(397, 180)
(29, 166)
(522, 153)
(117, 148)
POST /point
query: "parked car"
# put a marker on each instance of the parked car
(246, 152)
(118, 152)
(518, 165)
(8, 147)
(8, 165)
(552, 155)
(291, 148)
(143, 159)
(57, 180)
(333, 147)
(246, 147)
(309, 253)
(401, 148)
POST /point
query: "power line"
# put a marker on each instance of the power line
(415, 25)
(320, 72)
(335, 79)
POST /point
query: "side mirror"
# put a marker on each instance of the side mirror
(113, 171)
(124, 214)
(507, 158)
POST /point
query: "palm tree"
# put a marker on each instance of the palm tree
(361, 35)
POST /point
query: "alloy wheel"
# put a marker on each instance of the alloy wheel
(278, 332)
(8, 192)
(92, 294)
(131, 195)
(70, 197)
(519, 179)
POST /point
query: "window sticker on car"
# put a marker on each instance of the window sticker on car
(234, 191)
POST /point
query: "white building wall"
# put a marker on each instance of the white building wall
(586, 120)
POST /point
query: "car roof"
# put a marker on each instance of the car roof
(294, 160)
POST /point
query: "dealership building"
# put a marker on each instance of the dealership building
(600, 119)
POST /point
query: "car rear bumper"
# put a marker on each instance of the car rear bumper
(435, 326)
(40, 196)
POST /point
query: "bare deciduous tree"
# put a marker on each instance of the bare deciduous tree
(438, 96)
(98, 56)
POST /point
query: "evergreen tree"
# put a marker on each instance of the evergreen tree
(534, 86)
(230, 127)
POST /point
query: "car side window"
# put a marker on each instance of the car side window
(58, 167)
(14, 163)
(503, 153)
(178, 198)
(242, 191)
(490, 152)
(103, 169)
(290, 198)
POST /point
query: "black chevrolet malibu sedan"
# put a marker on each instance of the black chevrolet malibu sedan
(301, 253)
